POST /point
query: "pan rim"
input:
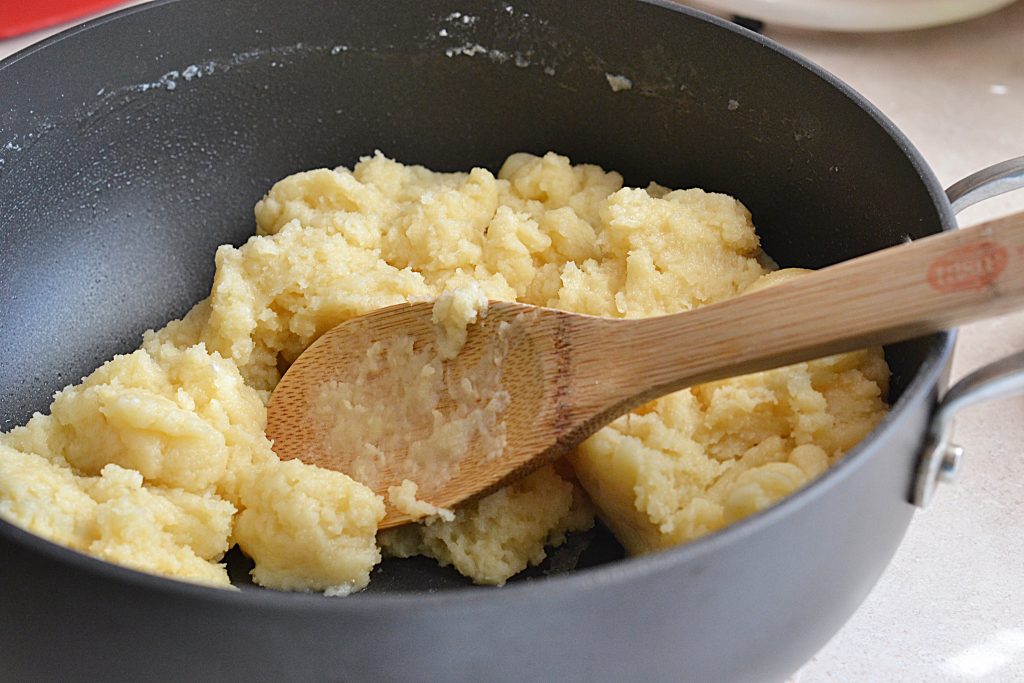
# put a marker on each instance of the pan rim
(600, 577)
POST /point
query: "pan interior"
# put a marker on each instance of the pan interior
(134, 147)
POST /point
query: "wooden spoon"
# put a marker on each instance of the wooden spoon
(567, 374)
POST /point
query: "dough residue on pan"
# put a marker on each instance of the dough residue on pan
(618, 82)
(158, 459)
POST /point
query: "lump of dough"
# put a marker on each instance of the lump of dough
(498, 536)
(453, 312)
(115, 518)
(691, 462)
(170, 532)
(44, 498)
(177, 416)
(308, 528)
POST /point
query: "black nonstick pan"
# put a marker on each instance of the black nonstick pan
(132, 146)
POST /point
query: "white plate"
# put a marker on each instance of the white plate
(855, 15)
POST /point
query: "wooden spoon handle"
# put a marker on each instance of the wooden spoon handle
(884, 297)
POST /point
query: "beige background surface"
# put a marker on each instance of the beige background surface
(951, 606)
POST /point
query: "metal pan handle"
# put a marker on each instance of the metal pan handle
(941, 458)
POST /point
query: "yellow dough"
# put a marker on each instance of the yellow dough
(158, 459)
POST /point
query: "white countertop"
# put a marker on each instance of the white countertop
(951, 605)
